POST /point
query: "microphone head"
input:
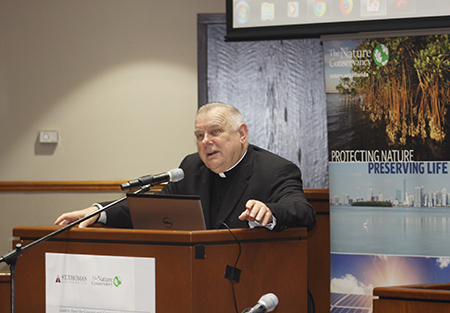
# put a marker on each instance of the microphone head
(176, 175)
(270, 301)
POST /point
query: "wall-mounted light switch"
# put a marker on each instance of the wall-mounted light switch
(48, 137)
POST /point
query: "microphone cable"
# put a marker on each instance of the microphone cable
(235, 264)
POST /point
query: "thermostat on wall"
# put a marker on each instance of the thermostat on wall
(48, 137)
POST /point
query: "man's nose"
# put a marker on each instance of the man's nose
(206, 139)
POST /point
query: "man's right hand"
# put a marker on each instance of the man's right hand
(73, 216)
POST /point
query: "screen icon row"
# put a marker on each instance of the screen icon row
(311, 11)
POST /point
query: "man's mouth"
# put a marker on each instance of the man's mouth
(212, 153)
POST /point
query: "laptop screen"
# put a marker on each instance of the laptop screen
(166, 212)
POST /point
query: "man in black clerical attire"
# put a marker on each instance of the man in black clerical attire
(239, 184)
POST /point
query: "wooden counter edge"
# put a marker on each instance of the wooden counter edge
(436, 292)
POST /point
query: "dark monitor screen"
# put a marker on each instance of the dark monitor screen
(282, 19)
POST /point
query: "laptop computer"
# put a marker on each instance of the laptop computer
(166, 212)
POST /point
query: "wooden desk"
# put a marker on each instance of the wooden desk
(433, 298)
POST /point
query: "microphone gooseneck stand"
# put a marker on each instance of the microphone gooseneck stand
(12, 257)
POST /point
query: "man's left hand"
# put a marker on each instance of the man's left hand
(256, 211)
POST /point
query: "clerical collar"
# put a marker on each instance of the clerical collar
(222, 175)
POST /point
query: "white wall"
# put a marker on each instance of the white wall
(116, 78)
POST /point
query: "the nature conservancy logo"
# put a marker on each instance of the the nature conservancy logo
(97, 280)
(117, 281)
(345, 57)
(381, 55)
(103, 281)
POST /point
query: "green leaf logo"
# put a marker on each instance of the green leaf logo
(381, 55)
(117, 281)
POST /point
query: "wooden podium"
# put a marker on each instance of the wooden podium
(412, 299)
(5, 292)
(190, 265)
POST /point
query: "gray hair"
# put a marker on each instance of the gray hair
(235, 116)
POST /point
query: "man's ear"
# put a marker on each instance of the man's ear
(243, 132)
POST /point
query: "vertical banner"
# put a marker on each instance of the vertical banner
(389, 147)
(99, 284)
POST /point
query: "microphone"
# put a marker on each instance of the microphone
(173, 175)
(267, 303)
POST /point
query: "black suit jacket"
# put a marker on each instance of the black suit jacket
(261, 175)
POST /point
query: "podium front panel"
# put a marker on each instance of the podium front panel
(190, 266)
(267, 267)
